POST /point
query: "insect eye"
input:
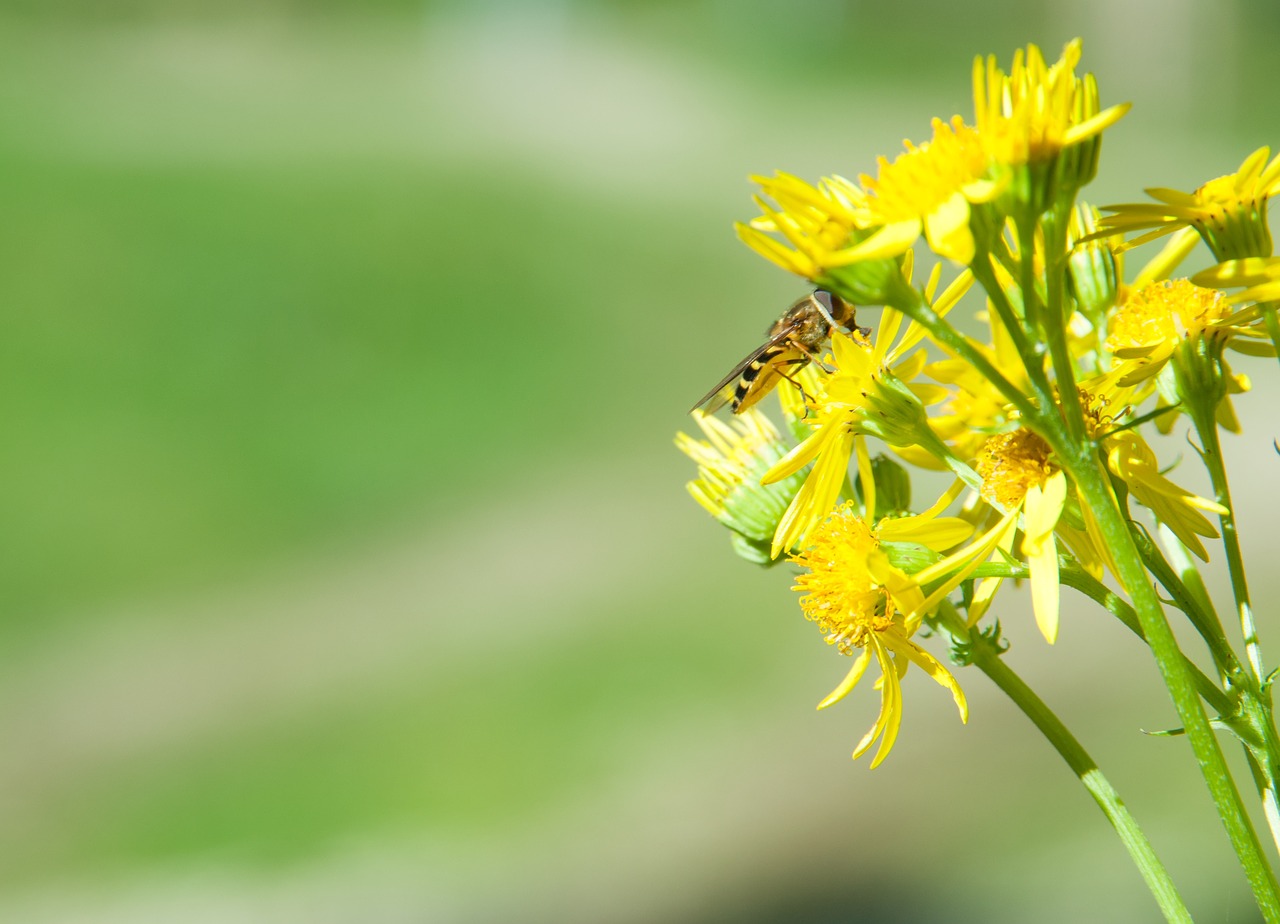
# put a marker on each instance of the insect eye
(826, 303)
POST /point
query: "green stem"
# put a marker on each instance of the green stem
(1055, 328)
(1257, 694)
(916, 307)
(1211, 453)
(1032, 358)
(986, 657)
(1205, 622)
(1113, 526)
(1073, 576)
(1081, 580)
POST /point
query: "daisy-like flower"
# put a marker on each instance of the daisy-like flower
(833, 420)
(731, 461)
(1134, 462)
(833, 416)
(1020, 476)
(1154, 321)
(803, 228)
(926, 190)
(1257, 277)
(1036, 111)
(1229, 212)
(859, 600)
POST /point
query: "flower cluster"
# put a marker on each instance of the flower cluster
(1038, 423)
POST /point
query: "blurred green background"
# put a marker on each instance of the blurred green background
(347, 570)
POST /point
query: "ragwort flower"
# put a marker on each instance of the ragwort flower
(833, 421)
(731, 461)
(1033, 114)
(805, 229)
(1020, 476)
(1229, 212)
(1154, 321)
(859, 600)
(926, 190)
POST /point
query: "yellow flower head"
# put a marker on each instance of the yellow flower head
(1019, 475)
(1229, 212)
(1011, 464)
(731, 461)
(926, 189)
(1034, 112)
(841, 596)
(833, 418)
(1154, 320)
(805, 229)
(859, 600)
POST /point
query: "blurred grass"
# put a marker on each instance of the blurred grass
(468, 747)
(207, 366)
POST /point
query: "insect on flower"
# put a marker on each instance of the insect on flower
(793, 341)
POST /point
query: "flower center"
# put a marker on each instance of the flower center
(839, 593)
(1012, 464)
(1163, 312)
(924, 177)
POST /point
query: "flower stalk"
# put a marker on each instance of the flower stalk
(983, 652)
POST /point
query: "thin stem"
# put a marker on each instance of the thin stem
(1211, 453)
(916, 307)
(1032, 358)
(986, 656)
(1055, 328)
(1205, 622)
(1072, 575)
(1113, 526)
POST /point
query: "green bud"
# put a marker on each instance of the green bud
(1091, 270)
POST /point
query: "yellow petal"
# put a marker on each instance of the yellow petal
(798, 456)
(968, 558)
(987, 587)
(890, 241)
(934, 668)
(947, 229)
(1043, 506)
(865, 478)
(937, 533)
(904, 590)
(1045, 591)
(850, 680)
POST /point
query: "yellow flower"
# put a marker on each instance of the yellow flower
(1035, 111)
(1134, 462)
(1229, 212)
(1019, 476)
(731, 461)
(814, 223)
(859, 600)
(927, 189)
(1155, 320)
(1259, 278)
(833, 418)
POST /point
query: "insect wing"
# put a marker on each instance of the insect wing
(744, 374)
(759, 378)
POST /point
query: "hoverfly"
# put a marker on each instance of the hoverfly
(793, 341)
